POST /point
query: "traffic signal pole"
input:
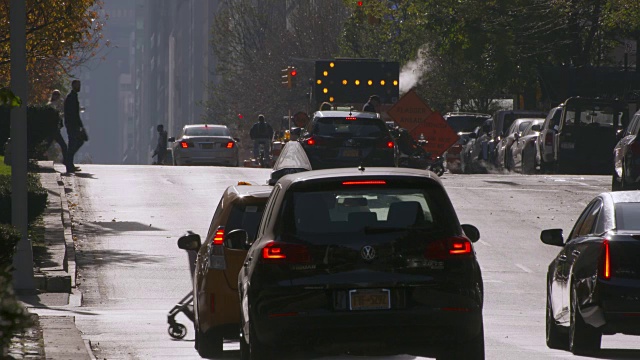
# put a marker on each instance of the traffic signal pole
(23, 259)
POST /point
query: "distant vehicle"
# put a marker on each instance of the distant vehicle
(473, 152)
(524, 151)
(205, 144)
(335, 139)
(503, 148)
(463, 124)
(220, 258)
(502, 120)
(545, 142)
(626, 158)
(348, 257)
(587, 135)
(593, 286)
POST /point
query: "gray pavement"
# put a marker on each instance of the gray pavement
(54, 337)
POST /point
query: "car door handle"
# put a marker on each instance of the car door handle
(246, 263)
(562, 258)
(575, 253)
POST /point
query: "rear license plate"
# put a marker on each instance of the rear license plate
(206, 146)
(350, 153)
(369, 299)
(567, 145)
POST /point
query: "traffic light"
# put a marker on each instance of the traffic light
(289, 76)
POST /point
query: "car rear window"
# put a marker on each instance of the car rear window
(464, 123)
(356, 128)
(627, 215)
(206, 131)
(596, 117)
(245, 216)
(349, 210)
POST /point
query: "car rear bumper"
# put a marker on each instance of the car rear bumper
(203, 158)
(618, 308)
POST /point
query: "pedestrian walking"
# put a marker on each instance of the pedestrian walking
(373, 104)
(261, 133)
(161, 147)
(75, 129)
(57, 104)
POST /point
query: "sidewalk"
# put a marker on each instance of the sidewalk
(54, 337)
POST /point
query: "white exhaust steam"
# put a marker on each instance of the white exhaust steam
(412, 72)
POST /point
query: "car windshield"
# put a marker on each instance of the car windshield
(245, 216)
(206, 131)
(356, 128)
(465, 123)
(627, 215)
(355, 212)
(595, 116)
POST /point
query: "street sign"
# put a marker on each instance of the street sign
(439, 135)
(413, 114)
(410, 111)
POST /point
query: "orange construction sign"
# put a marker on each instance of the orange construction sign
(410, 111)
(439, 135)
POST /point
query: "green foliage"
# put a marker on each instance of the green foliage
(14, 318)
(36, 198)
(42, 121)
(9, 238)
(7, 97)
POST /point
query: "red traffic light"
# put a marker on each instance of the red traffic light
(294, 72)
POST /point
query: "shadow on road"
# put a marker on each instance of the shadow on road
(618, 354)
(115, 227)
(94, 258)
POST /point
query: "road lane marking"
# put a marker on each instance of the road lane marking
(484, 243)
(524, 268)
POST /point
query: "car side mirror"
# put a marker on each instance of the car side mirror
(296, 131)
(189, 241)
(471, 231)
(552, 237)
(620, 134)
(536, 127)
(236, 239)
(171, 139)
(473, 136)
(516, 136)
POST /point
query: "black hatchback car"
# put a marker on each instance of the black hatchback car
(593, 285)
(345, 258)
(335, 139)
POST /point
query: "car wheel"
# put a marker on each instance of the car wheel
(623, 183)
(584, 339)
(528, 163)
(472, 350)
(555, 338)
(257, 350)
(209, 345)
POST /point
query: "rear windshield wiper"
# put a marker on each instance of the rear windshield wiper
(388, 229)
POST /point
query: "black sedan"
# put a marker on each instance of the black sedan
(347, 258)
(593, 285)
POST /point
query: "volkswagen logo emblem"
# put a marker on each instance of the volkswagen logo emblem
(368, 252)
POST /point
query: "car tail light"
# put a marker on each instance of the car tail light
(311, 141)
(230, 145)
(448, 248)
(605, 260)
(218, 237)
(285, 253)
(185, 145)
(386, 144)
(351, 118)
(548, 139)
(364, 182)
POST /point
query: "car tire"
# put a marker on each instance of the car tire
(528, 162)
(554, 337)
(209, 345)
(256, 350)
(472, 350)
(584, 339)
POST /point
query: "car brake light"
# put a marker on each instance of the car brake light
(311, 141)
(548, 139)
(364, 182)
(606, 260)
(390, 144)
(218, 237)
(351, 118)
(184, 144)
(280, 252)
(447, 248)
(230, 145)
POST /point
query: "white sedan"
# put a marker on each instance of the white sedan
(205, 144)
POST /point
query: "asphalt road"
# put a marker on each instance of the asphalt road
(128, 218)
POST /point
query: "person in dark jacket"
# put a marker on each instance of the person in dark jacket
(161, 147)
(57, 103)
(73, 123)
(373, 104)
(261, 133)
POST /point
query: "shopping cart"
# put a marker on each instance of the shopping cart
(185, 305)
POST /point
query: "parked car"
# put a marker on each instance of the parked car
(524, 151)
(587, 135)
(334, 139)
(502, 120)
(503, 148)
(205, 144)
(593, 286)
(462, 123)
(215, 301)
(626, 158)
(350, 256)
(546, 155)
(475, 148)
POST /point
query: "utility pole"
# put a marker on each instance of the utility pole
(23, 260)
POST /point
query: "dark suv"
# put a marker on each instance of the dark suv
(626, 157)
(335, 139)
